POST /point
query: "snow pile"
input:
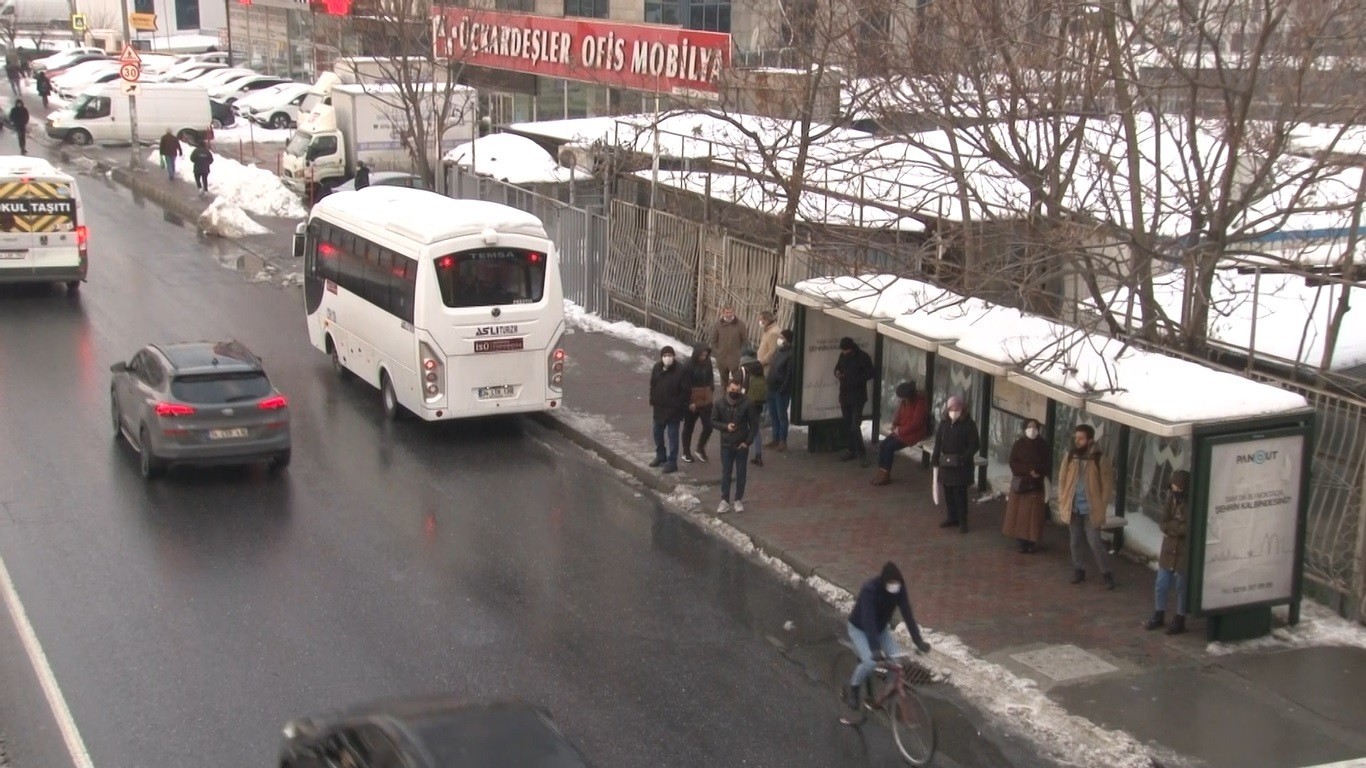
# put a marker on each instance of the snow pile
(226, 220)
(1318, 627)
(579, 318)
(246, 131)
(512, 159)
(253, 189)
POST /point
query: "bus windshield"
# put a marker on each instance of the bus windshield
(491, 276)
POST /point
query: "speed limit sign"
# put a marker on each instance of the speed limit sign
(130, 72)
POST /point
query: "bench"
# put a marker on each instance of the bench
(925, 449)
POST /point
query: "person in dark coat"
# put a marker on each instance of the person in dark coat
(870, 625)
(701, 375)
(854, 369)
(201, 158)
(780, 383)
(18, 119)
(735, 418)
(909, 426)
(1171, 561)
(170, 150)
(756, 390)
(955, 456)
(362, 176)
(669, 398)
(44, 87)
(1031, 462)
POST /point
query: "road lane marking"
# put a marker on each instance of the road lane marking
(74, 745)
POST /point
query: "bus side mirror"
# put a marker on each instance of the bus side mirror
(300, 232)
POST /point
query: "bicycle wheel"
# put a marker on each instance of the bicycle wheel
(912, 728)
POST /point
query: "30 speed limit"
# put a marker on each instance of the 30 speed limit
(130, 72)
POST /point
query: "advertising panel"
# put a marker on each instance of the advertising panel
(643, 57)
(1251, 517)
(820, 395)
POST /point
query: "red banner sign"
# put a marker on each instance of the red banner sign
(644, 57)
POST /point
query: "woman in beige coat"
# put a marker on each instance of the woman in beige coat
(1031, 462)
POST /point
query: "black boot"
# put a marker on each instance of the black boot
(853, 697)
(1178, 625)
(1078, 575)
(1156, 621)
(1109, 579)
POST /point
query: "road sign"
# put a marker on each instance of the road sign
(78, 22)
(129, 55)
(130, 73)
(129, 88)
(143, 22)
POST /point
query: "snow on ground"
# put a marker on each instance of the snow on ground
(228, 221)
(1318, 627)
(583, 320)
(246, 131)
(248, 187)
(510, 158)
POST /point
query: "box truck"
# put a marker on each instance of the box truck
(366, 123)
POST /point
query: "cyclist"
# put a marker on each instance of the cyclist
(870, 625)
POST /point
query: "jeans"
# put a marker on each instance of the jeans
(733, 464)
(887, 451)
(1165, 577)
(669, 428)
(865, 653)
(690, 422)
(956, 500)
(852, 415)
(1080, 527)
(170, 166)
(777, 415)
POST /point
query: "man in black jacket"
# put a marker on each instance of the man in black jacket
(18, 118)
(780, 382)
(669, 392)
(955, 455)
(734, 417)
(854, 369)
(870, 624)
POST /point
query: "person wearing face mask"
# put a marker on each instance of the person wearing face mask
(1031, 460)
(854, 369)
(780, 381)
(870, 626)
(702, 383)
(734, 417)
(1171, 561)
(955, 457)
(1086, 484)
(728, 338)
(670, 393)
(909, 426)
(768, 340)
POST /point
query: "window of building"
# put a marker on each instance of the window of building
(592, 9)
(522, 6)
(187, 14)
(709, 15)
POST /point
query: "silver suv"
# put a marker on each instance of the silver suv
(199, 403)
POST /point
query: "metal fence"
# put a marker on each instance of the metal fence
(581, 236)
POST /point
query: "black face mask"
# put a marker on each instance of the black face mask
(733, 396)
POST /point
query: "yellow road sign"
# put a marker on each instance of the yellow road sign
(143, 22)
(78, 23)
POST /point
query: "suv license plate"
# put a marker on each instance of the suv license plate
(495, 393)
(225, 434)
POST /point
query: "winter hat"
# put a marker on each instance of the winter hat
(891, 573)
(667, 350)
(847, 343)
(905, 390)
(955, 402)
(1181, 479)
(786, 333)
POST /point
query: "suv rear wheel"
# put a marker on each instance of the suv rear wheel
(149, 464)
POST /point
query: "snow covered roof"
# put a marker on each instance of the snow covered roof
(426, 217)
(769, 198)
(1105, 376)
(510, 158)
(27, 165)
(1291, 317)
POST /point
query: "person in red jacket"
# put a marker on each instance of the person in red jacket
(910, 425)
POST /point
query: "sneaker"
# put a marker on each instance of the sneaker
(739, 506)
(723, 508)
(702, 455)
(656, 463)
(687, 458)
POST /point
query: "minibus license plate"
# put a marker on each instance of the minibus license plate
(495, 393)
(13, 254)
(498, 345)
(226, 434)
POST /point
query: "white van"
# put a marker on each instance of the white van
(42, 229)
(100, 113)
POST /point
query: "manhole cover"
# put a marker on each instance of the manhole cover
(1064, 662)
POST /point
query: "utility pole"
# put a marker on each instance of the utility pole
(134, 157)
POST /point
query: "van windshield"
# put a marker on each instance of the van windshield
(298, 143)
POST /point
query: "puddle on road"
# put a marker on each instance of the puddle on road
(808, 632)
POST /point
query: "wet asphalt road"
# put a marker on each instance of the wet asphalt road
(186, 620)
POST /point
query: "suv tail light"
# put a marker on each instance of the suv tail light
(433, 378)
(555, 370)
(174, 409)
(273, 403)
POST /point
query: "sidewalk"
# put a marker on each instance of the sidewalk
(1080, 646)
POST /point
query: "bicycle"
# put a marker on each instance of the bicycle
(895, 697)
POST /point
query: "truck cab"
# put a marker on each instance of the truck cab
(316, 152)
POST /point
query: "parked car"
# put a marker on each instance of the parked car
(217, 77)
(430, 733)
(181, 73)
(221, 115)
(198, 403)
(275, 109)
(66, 58)
(235, 89)
(57, 68)
(386, 179)
(100, 113)
(81, 76)
(215, 57)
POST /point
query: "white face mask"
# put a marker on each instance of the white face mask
(893, 588)
(1031, 433)
(667, 360)
(782, 342)
(955, 414)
